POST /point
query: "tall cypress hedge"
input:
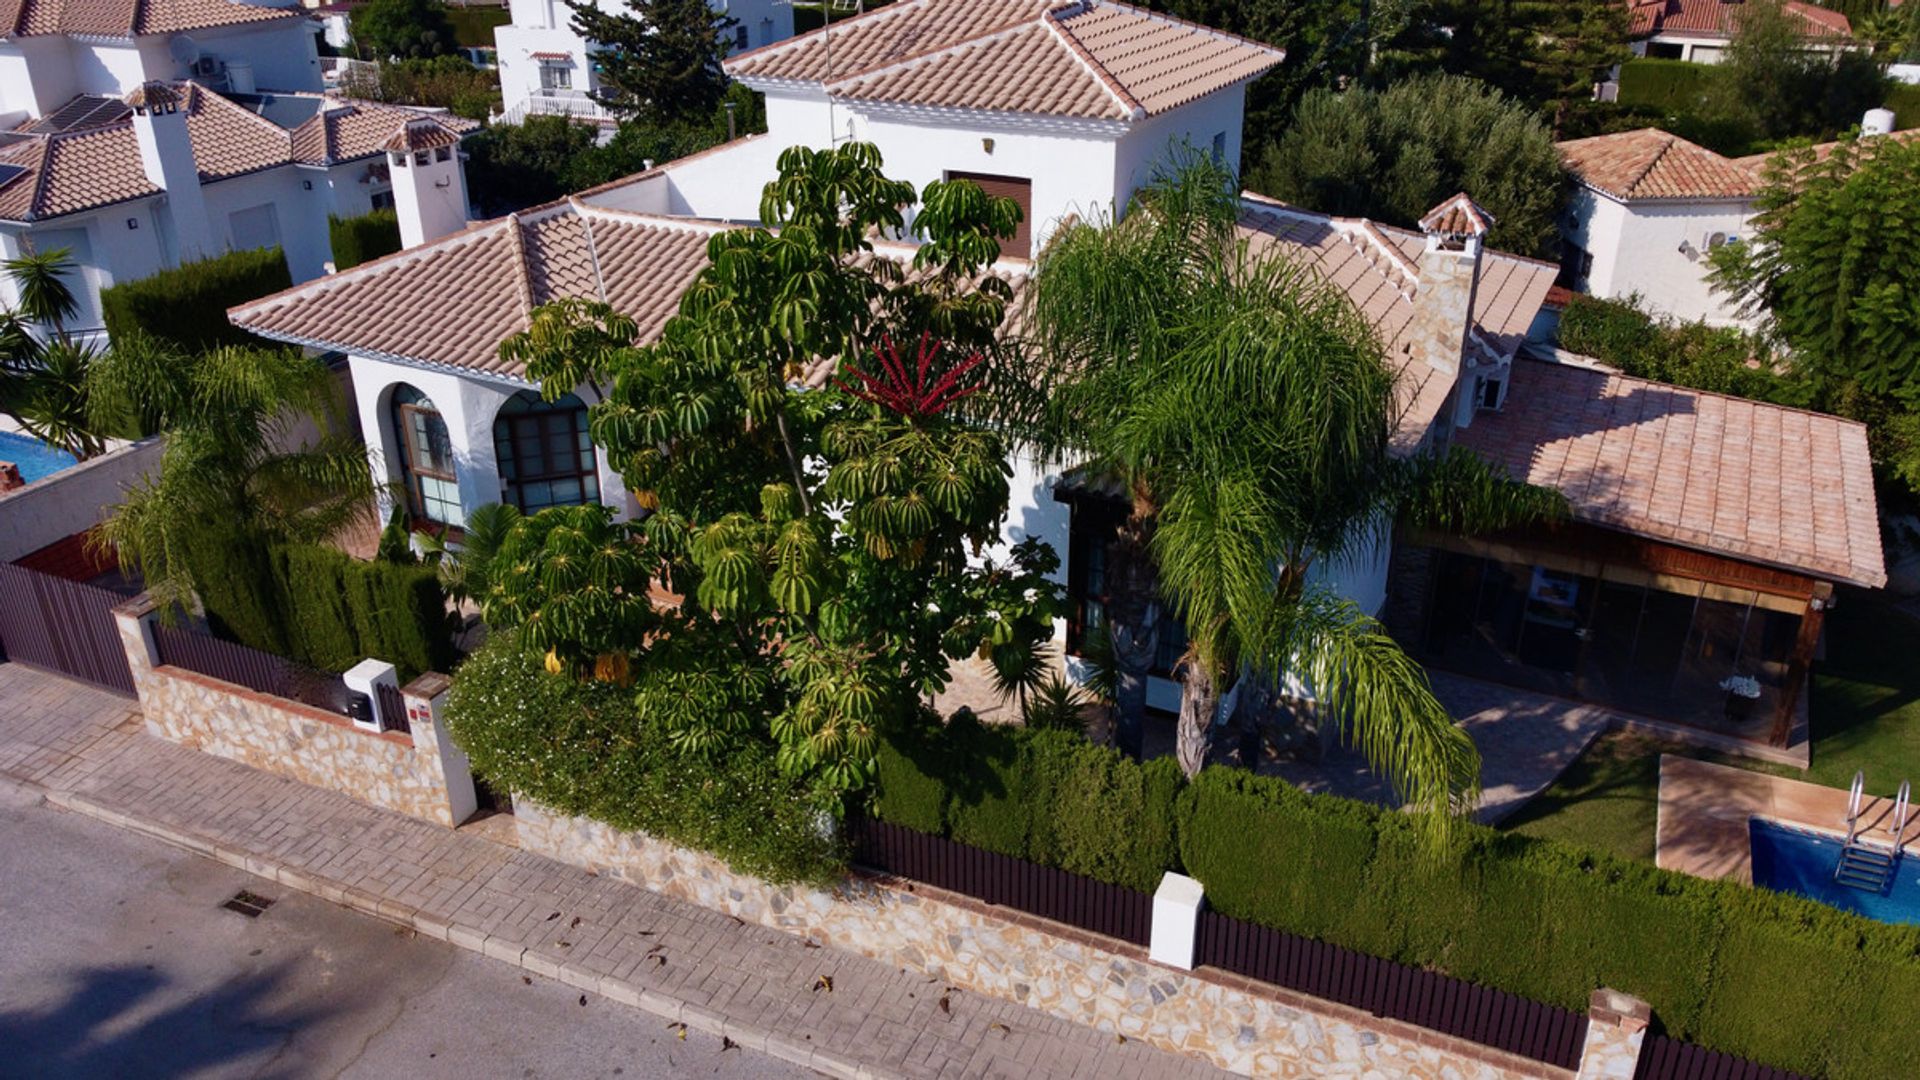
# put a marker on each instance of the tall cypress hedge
(187, 305)
(327, 609)
(362, 239)
(1768, 976)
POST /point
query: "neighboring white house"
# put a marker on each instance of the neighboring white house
(547, 68)
(52, 51)
(176, 171)
(1701, 30)
(1648, 206)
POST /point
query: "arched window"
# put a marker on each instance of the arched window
(426, 458)
(546, 458)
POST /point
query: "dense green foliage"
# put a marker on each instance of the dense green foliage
(1765, 975)
(584, 748)
(1904, 100)
(445, 81)
(317, 605)
(1667, 84)
(1723, 360)
(186, 307)
(404, 29)
(1394, 154)
(364, 238)
(658, 60)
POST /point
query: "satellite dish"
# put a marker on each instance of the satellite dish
(185, 50)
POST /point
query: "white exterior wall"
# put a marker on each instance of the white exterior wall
(36, 74)
(1072, 167)
(285, 56)
(108, 250)
(39, 74)
(1149, 144)
(300, 214)
(1636, 248)
(468, 405)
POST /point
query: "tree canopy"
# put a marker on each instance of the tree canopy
(406, 29)
(659, 60)
(1393, 154)
(823, 548)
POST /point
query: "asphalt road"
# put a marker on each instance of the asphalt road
(117, 960)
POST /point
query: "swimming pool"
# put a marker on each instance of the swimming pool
(36, 459)
(1796, 860)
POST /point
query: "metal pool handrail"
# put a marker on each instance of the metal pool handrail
(1853, 802)
(1901, 805)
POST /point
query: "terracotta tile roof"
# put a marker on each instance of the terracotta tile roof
(1758, 162)
(130, 18)
(345, 130)
(452, 302)
(1378, 268)
(1089, 59)
(1653, 164)
(420, 133)
(66, 172)
(1721, 18)
(1757, 482)
(1459, 216)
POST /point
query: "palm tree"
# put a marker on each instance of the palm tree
(1245, 406)
(228, 474)
(43, 374)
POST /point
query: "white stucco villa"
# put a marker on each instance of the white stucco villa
(1068, 110)
(1700, 30)
(547, 68)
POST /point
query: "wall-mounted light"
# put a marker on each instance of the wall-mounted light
(133, 223)
(987, 145)
(307, 184)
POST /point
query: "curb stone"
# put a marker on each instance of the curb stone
(647, 999)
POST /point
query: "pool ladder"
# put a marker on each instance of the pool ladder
(1868, 866)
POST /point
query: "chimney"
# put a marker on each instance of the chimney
(166, 155)
(429, 183)
(1443, 306)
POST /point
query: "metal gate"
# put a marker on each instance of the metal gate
(62, 626)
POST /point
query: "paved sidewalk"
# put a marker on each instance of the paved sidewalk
(682, 962)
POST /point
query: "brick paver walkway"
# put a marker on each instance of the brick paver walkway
(682, 962)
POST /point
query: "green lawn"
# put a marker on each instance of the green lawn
(1866, 715)
(473, 26)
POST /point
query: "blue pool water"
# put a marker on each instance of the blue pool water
(1800, 861)
(36, 459)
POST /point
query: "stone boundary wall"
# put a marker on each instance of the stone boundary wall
(391, 770)
(1237, 1024)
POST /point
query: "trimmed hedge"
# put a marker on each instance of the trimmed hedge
(325, 608)
(1904, 100)
(1768, 976)
(187, 305)
(1666, 84)
(581, 748)
(364, 238)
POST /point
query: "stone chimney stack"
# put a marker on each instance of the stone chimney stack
(429, 183)
(166, 154)
(1443, 306)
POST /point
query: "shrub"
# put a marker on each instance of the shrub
(1720, 360)
(187, 305)
(364, 238)
(581, 748)
(1666, 84)
(326, 609)
(1904, 100)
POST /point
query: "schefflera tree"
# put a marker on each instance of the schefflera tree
(818, 553)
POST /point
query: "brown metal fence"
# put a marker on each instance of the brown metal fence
(62, 626)
(393, 708)
(1662, 1058)
(1004, 880)
(1429, 999)
(259, 671)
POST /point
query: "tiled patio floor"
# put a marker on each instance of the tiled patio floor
(1705, 810)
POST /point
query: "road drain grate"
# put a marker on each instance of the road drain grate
(248, 904)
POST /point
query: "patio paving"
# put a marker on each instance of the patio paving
(1705, 810)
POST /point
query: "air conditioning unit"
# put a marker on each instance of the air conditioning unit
(207, 67)
(1719, 240)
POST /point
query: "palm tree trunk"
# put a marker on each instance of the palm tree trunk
(1199, 701)
(1133, 647)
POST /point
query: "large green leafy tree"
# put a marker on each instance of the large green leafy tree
(407, 29)
(1830, 272)
(659, 60)
(816, 551)
(1547, 54)
(232, 478)
(1393, 154)
(1772, 87)
(1246, 406)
